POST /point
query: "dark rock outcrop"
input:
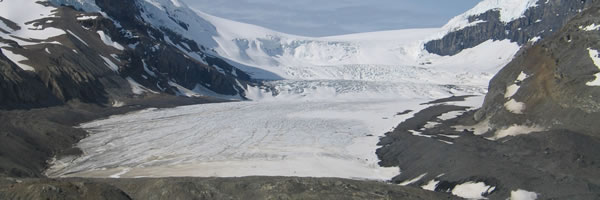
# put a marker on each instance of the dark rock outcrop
(539, 21)
(20, 89)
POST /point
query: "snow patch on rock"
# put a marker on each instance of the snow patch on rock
(414, 180)
(472, 190)
(110, 64)
(431, 185)
(78, 38)
(595, 56)
(182, 91)
(523, 195)
(516, 130)
(418, 133)
(109, 42)
(535, 39)
(147, 70)
(431, 124)
(477, 129)
(451, 115)
(17, 59)
(522, 76)
(591, 27)
(515, 107)
(83, 18)
(118, 104)
(137, 88)
(511, 90)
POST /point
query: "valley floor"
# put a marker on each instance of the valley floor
(209, 188)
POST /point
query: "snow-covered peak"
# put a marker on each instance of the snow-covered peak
(359, 56)
(30, 27)
(268, 54)
(510, 10)
(87, 5)
(173, 15)
(178, 17)
(11, 10)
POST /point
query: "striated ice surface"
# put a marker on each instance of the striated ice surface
(296, 138)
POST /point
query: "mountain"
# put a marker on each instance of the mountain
(535, 135)
(54, 55)
(519, 21)
(147, 48)
(292, 57)
(142, 48)
(551, 85)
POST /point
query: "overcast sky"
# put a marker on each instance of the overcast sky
(335, 17)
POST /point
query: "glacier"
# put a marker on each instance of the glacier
(319, 112)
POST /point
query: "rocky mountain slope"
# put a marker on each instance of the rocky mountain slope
(553, 84)
(535, 134)
(58, 54)
(517, 20)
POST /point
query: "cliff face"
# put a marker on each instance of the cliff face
(551, 85)
(103, 59)
(541, 21)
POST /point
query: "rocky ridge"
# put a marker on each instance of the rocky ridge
(107, 58)
(552, 82)
(540, 21)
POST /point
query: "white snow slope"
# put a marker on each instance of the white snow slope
(328, 58)
(320, 114)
